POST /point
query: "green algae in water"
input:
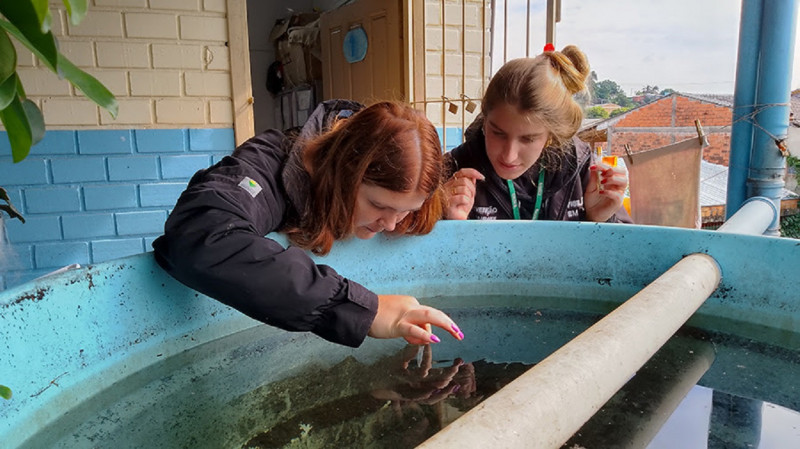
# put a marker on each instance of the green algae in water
(392, 413)
(264, 388)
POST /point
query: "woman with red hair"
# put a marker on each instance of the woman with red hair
(349, 171)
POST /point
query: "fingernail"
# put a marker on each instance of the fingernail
(592, 167)
(460, 335)
(435, 339)
(455, 327)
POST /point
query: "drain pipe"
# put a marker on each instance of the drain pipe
(770, 116)
(768, 158)
(755, 217)
(546, 405)
(744, 97)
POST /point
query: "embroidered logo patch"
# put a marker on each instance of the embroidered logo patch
(251, 186)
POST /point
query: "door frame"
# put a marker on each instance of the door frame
(241, 83)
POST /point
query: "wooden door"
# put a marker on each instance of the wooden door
(381, 74)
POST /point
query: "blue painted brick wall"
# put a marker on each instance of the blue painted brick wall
(109, 196)
(183, 166)
(140, 222)
(130, 168)
(206, 140)
(105, 141)
(90, 196)
(35, 229)
(162, 140)
(56, 255)
(85, 169)
(161, 194)
(29, 171)
(52, 199)
(103, 250)
(86, 226)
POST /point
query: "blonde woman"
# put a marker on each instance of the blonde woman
(521, 158)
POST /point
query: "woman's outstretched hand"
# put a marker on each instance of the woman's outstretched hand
(460, 193)
(403, 316)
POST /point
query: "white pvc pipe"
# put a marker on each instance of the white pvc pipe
(546, 405)
(754, 217)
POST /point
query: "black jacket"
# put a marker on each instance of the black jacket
(214, 240)
(562, 198)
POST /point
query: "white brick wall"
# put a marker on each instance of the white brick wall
(165, 61)
(184, 112)
(176, 56)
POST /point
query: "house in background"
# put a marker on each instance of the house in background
(666, 121)
(672, 119)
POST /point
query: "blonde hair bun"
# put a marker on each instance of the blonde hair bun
(573, 66)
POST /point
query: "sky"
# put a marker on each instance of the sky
(686, 45)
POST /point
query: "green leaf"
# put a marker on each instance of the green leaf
(20, 89)
(8, 91)
(43, 45)
(5, 392)
(76, 9)
(42, 14)
(35, 120)
(8, 57)
(88, 84)
(18, 130)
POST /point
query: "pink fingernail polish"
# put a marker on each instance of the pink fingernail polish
(460, 335)
(455, 327)
(435, 339)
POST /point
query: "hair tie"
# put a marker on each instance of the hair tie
(549, 47)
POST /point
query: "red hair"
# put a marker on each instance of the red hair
(389, 145)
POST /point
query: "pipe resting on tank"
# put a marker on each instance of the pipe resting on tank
(546, 405)
(756, 215)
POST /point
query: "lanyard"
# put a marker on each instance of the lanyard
(512, 193)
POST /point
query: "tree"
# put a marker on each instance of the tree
(619, 111)
(648, 90)
(606, 90)
(623, 100)
(596, 112)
